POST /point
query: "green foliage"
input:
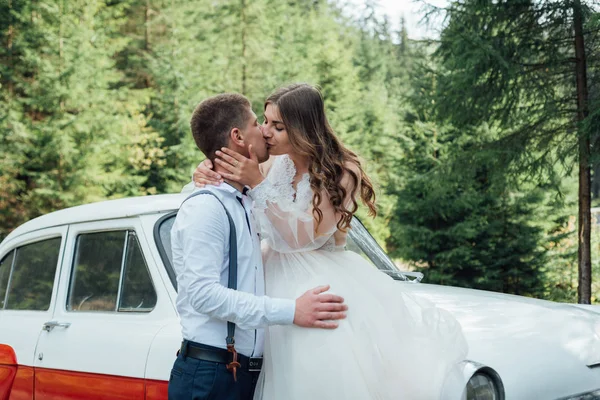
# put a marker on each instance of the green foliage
(69, 134)
(510, 64)
(454, 218)
(560, 275)
(465, 140)
(493, 132)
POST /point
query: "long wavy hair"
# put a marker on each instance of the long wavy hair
(302, 110)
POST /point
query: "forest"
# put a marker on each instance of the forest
(483, 142)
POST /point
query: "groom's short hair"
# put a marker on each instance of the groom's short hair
(215, 117)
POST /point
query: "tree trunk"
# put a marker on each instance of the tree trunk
(9, 42)
(244, 33)
(147, 11)
(584, 290)
(61, 54)
(147, 26)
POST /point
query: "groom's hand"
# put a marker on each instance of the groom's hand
(316, 309)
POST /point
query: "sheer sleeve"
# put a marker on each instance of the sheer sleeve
(285, 217)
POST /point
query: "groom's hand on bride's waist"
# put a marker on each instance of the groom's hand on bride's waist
(317, 309)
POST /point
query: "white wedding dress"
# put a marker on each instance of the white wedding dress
(391, 346)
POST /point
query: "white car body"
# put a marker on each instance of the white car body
(532, 349)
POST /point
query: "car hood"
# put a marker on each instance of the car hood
(525, 339)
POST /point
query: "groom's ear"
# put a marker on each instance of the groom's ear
(236, 137)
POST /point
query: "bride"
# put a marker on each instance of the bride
(392, 345)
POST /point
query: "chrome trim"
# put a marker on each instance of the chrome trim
(417, 275)
(471, 368)
(367, 243)
(121, 277)
(404, 276)
(580, 396)
(10, 275)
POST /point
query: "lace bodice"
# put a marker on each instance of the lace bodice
(281, 178)
(277, 197)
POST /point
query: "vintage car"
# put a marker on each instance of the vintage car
(87, 311)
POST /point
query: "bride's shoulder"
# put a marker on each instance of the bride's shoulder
(276, 162)
(265, 167)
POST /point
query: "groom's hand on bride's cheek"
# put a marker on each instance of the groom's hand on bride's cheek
(204, 175)
(317, 309)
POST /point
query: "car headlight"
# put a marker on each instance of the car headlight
(482, 387)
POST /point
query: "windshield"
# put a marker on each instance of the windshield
(359, 240)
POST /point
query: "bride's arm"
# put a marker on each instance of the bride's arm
(204, 174)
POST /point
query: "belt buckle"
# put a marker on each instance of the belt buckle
(255, 364)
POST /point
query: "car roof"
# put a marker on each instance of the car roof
(110, 209)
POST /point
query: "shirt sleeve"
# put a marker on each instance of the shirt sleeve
(189, 188)
(204, 234)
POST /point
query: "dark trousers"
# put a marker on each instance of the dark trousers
(193, 379)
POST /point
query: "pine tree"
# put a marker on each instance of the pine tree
(64, 125)
(455, 219)
(515, 66)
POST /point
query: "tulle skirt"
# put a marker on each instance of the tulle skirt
(392, 345)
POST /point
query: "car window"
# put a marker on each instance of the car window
(365, 244)
(164, 233)
(138, 293)
(110, 274)
(162, 238)
(5, 268)
(32, 278)
(353, 246)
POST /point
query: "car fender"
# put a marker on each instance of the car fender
(8, 370)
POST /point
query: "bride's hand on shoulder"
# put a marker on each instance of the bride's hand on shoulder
(204, 175)
(241, 169)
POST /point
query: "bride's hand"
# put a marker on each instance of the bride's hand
(242, 169)
(204, 175)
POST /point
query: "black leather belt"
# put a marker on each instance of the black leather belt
(221, 356)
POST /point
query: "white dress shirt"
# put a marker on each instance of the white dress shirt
(200, 245)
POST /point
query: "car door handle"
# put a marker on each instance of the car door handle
(48, 326)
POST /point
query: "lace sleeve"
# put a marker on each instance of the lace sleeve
(288, 224)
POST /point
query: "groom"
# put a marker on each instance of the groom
(207, 364)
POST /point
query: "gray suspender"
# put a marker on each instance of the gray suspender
(232, 280)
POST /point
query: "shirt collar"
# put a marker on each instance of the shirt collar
(230, 189)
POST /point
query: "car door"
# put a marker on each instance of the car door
(106, 316)
(29, 277)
